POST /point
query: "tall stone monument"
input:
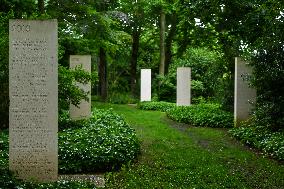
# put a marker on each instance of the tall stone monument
(244, 94)
(33, 92)
(84, 108)
(183, 86)
(145, 89)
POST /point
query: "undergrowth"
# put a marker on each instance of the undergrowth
(269, 142)
(104, 142)
(202, 115)
(159, 106)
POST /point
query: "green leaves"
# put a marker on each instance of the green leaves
(159, 106)
(270, 143)
(69, 92)
(104, 142)
(202, 115)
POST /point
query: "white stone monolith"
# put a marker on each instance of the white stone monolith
(33, 93)
(145, 89)
(83, 110)
(183, 86)
(245, 95)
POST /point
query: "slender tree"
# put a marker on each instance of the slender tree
(162, 42)
(40, 5)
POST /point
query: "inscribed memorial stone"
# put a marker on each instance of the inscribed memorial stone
(33, 93)
(244, 94)
(183, 86)
(84, 108)
(145, 85)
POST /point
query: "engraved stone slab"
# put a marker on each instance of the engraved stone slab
(145, 88)
(84, 108)
(183, 86)
(33, 92)
(245, 95)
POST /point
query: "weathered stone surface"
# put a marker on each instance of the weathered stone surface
(145, 85)
(97, 179)
(183, 86)
(33, 92)
(245, 95)
(84, 108)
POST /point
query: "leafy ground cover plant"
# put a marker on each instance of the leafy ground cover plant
(104, 142)
(269, 142)
(160, 106)
(202, 115)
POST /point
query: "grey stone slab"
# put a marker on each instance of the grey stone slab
(97, 179)
(183, 86)
(244, 94)
(84, 108)
(145, 88)
(33, 93)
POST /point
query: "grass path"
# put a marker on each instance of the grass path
(178, 156)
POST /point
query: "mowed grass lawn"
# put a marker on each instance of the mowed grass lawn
(179, 156)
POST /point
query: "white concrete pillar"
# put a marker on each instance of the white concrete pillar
(183, 86)
(244, 94)
(33, 93)
(145, 87)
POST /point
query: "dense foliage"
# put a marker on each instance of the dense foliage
(103, 142)
(208, 75)
(4, 78)
(270, 143)
(202, 115)
(160, 106)
(264, 49)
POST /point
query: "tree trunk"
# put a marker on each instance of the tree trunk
(134, 58)
(169, 40)
(41, 6)
(103, 75)
(162, 43)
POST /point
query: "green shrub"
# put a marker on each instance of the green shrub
(68, 91)
(160, 106)
(270, 143)
(202, 115)
(104, 142)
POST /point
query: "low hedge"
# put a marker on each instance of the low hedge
(202, 115)
(104, 142)
(270, 143)
(159, 106)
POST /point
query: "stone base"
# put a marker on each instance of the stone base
(98, 179)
